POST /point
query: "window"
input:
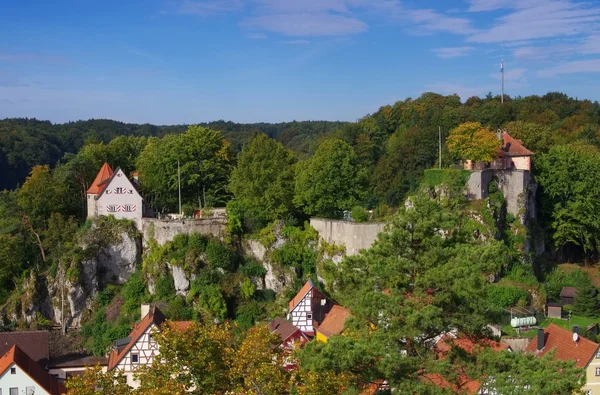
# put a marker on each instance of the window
(129, 208)
(598, 354)
(597, 371)
(30, 390)
(134, 358)
(119, 190)
(111, 209)
(150, 337)
(13, 370)
(588, 392)
(309, 316)
(13, 391)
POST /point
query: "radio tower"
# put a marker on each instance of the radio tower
(502, 72)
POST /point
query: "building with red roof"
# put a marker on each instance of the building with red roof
(112, 193)
(308, 308)
(139, 348)
(333, 324)
(20, 374)
(570, 346)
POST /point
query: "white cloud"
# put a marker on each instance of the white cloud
(510, 74)
(577, 66)
(536, 19)
(490, 5)
(428, 20)
(302, 24)
(452, 52)
(210, 7)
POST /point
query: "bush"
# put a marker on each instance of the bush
(134, 292)
(249, 313)
(360, 214)
(178, 310)
(164, 288)
(502, 297)
(558, 279)
(252, 268)
(219, 256)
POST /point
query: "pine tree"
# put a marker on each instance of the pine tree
(585, 300)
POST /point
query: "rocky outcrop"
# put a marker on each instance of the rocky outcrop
(276, 277)
(182, 282)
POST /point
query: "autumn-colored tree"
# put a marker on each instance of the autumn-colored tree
(308, 382)
(471, 141)
(95, 382)
(257, 367)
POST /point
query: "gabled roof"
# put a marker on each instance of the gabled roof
(333, 324)
(568, 292)
(300, 295)
(154, 317)
(561, 339)
(74, 360)
(104, 184)
(513, 147)
(33, 343)
(33, 369)
(100, 183)
(284, 328)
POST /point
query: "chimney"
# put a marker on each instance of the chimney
(145, 310)
(540, 339)
(136, 177)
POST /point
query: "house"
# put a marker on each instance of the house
(112, 193)
(20, 374)
(554, 310)
(333, 324)
(567, 295)
(291, 337)
(34, 343)
(308, 308)
(139, 348)
(71, 365)
(463, 383)
(570, 346)
(513, 154)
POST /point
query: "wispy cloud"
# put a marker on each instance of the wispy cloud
(296, 42)
(452, 52)
(516, 75)
(577, 66)
(302, 25)
(210, 7)
(536, 19)
(431, 21)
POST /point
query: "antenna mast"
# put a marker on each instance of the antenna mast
(502, 72)
(179, 185)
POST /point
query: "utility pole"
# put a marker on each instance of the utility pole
(179, 186)
(440, 145)
(502, 72)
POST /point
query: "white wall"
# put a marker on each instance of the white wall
(130, 197)
(20, 380)
(146, 350)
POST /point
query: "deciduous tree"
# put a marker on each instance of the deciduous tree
(471, 141)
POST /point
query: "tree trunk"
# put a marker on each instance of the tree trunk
(37, 236)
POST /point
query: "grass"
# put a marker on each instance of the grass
(582, 322)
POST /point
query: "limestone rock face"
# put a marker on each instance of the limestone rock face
(182, 283)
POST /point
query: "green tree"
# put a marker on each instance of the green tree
(586, 301)
(38, 197)
(331, 181)
(569, 177)
(264, 178)
(471, 141)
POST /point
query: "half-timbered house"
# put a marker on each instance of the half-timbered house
(308, 308)
(139, 348)
(112, 193)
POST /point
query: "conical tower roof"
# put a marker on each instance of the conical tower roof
(104, 174)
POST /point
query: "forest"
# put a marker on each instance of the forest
(413, 283)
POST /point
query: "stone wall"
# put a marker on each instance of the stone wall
(477, 186)
(352, 235)
(165, 230)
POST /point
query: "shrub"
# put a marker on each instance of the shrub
(249, 313)
(502, 297)
(219, 256)
(178, 310)
(252, 268)
(164, 288)
(360, 214)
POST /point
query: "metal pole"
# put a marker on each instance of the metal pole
(502, 71)
(179, 186)
(440, 136)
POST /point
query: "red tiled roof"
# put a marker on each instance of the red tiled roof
(513, 147)
(283, 328)
(100, 181)
(34, 343)
(33, 369)
(333, 324)
(156, 317)
(561, 339)
(300, 295)
(463, 384)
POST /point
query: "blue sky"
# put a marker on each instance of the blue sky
(186, 61)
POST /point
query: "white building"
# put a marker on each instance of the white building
(21, 375)
(139, 348)
(308, 308)
(112, 193)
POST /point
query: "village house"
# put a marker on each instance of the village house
(112, 193)
(333, 324)
(20, 374)
(308, 308)
(139, 348)
(291, 338)
(570, 346)
(72, 365)
(512, 155)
